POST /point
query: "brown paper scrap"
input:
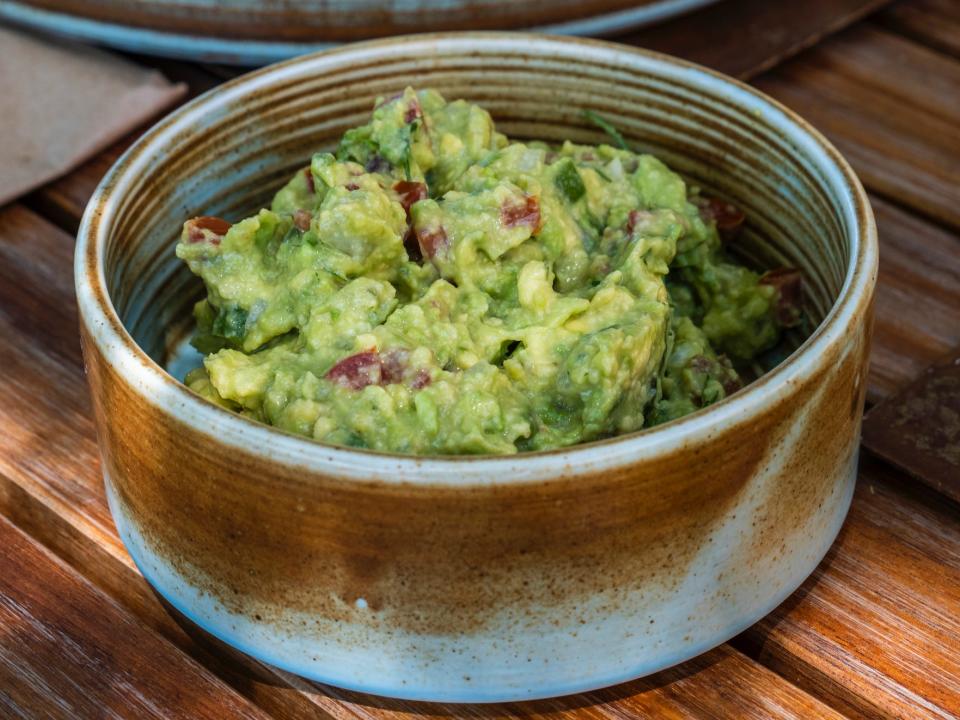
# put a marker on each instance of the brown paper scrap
(61, 103)
(918, 429)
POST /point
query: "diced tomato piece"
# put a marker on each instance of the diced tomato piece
(371, 368)
(413, 112)
(420, 379)
(432, 240)
(526, 212)
(195, 235)
(393, 365)
(357, 371)
(635, 218)
(214, 224)
(302, 218)
(410, 192)
(216, 227)
(728, 217)
(789, 285)
(731, 385)
(352, 186)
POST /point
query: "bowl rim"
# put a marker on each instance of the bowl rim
(156, 385)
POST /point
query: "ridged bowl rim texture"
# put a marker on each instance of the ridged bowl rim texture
(222, 426)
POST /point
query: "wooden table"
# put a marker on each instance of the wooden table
(873, 633)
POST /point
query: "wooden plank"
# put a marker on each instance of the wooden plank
(68, 651)
(726, 685)
(746, 37)
(935, 23)
(875, 631)
(876, 96)
(871, 55)
(917, 312)
(50, 484)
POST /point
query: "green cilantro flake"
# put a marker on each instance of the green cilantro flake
(609, 129)
(568, 180)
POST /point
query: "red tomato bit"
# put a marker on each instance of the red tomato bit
(420, 379)
(357, 371)
(728, 217)
(302, 218)
(432, 240)
(526, 212)
(789, 285)
(635, 218)
(371, 368)
(216, 227)
(393, 365)
(413, 112)
(410, 192)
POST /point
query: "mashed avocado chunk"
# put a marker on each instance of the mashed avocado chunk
(435, 288)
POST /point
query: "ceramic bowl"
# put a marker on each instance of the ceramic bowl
(477, 578)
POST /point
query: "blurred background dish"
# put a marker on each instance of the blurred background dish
(256, 32)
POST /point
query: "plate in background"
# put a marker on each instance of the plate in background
(257, 32)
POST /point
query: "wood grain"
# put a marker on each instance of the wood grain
(935, 23)
(745, 37)
(917, 314)
(67, 651)
(50, 485)
(887, 104)
(875, 631)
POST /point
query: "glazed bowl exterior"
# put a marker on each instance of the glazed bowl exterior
(477, 578)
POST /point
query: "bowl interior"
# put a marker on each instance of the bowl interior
(226, 153)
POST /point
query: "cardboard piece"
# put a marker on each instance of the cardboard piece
(918, 429)
(61, 103)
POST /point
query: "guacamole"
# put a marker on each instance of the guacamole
(433, 287)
